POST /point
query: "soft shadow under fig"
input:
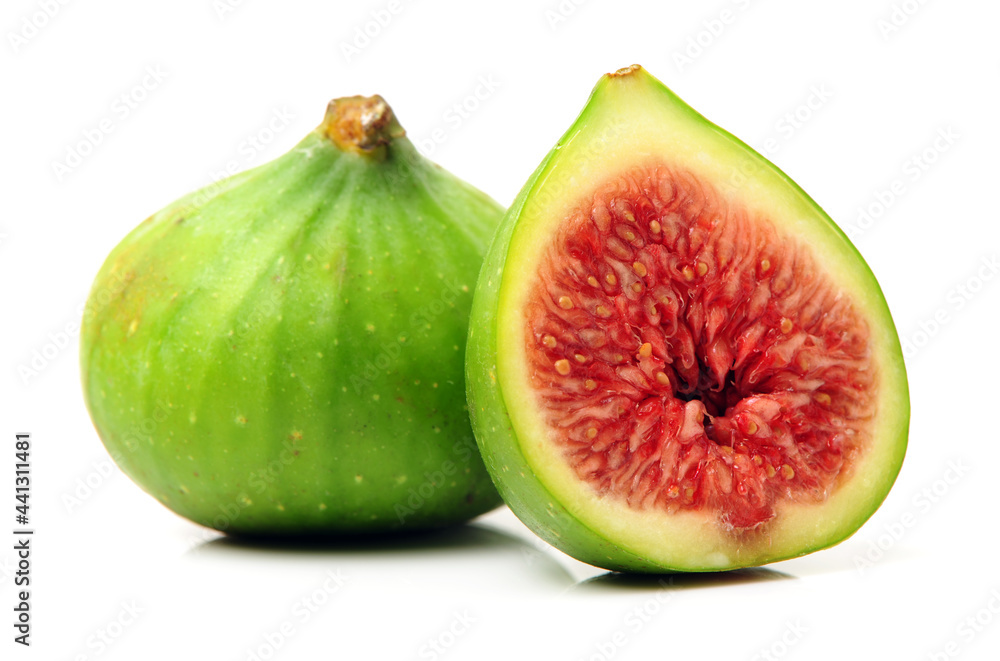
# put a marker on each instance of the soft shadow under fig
(464, 541)
(680, 581)
(457, 537)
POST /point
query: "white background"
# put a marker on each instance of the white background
(904, 587)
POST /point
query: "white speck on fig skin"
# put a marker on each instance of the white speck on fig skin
(717, 560)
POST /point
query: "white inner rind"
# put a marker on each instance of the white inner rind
(647, 124)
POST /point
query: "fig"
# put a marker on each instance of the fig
(282, 353)
(676, 360)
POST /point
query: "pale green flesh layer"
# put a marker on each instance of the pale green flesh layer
(631, 120)
(283, 352)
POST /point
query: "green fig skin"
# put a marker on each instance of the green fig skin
(282, 353)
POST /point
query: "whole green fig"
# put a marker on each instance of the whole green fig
(281, 353)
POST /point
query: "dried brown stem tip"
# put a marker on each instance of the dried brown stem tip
(361, 124)
(625, 71)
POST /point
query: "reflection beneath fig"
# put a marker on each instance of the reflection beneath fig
(457, 537)
(451, 546)
(680, 581)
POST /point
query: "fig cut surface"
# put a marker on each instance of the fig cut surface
(677, 361)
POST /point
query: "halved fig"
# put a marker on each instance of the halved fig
(677, 361)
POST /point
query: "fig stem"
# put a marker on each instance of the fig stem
(625, 71)
(361, 124)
